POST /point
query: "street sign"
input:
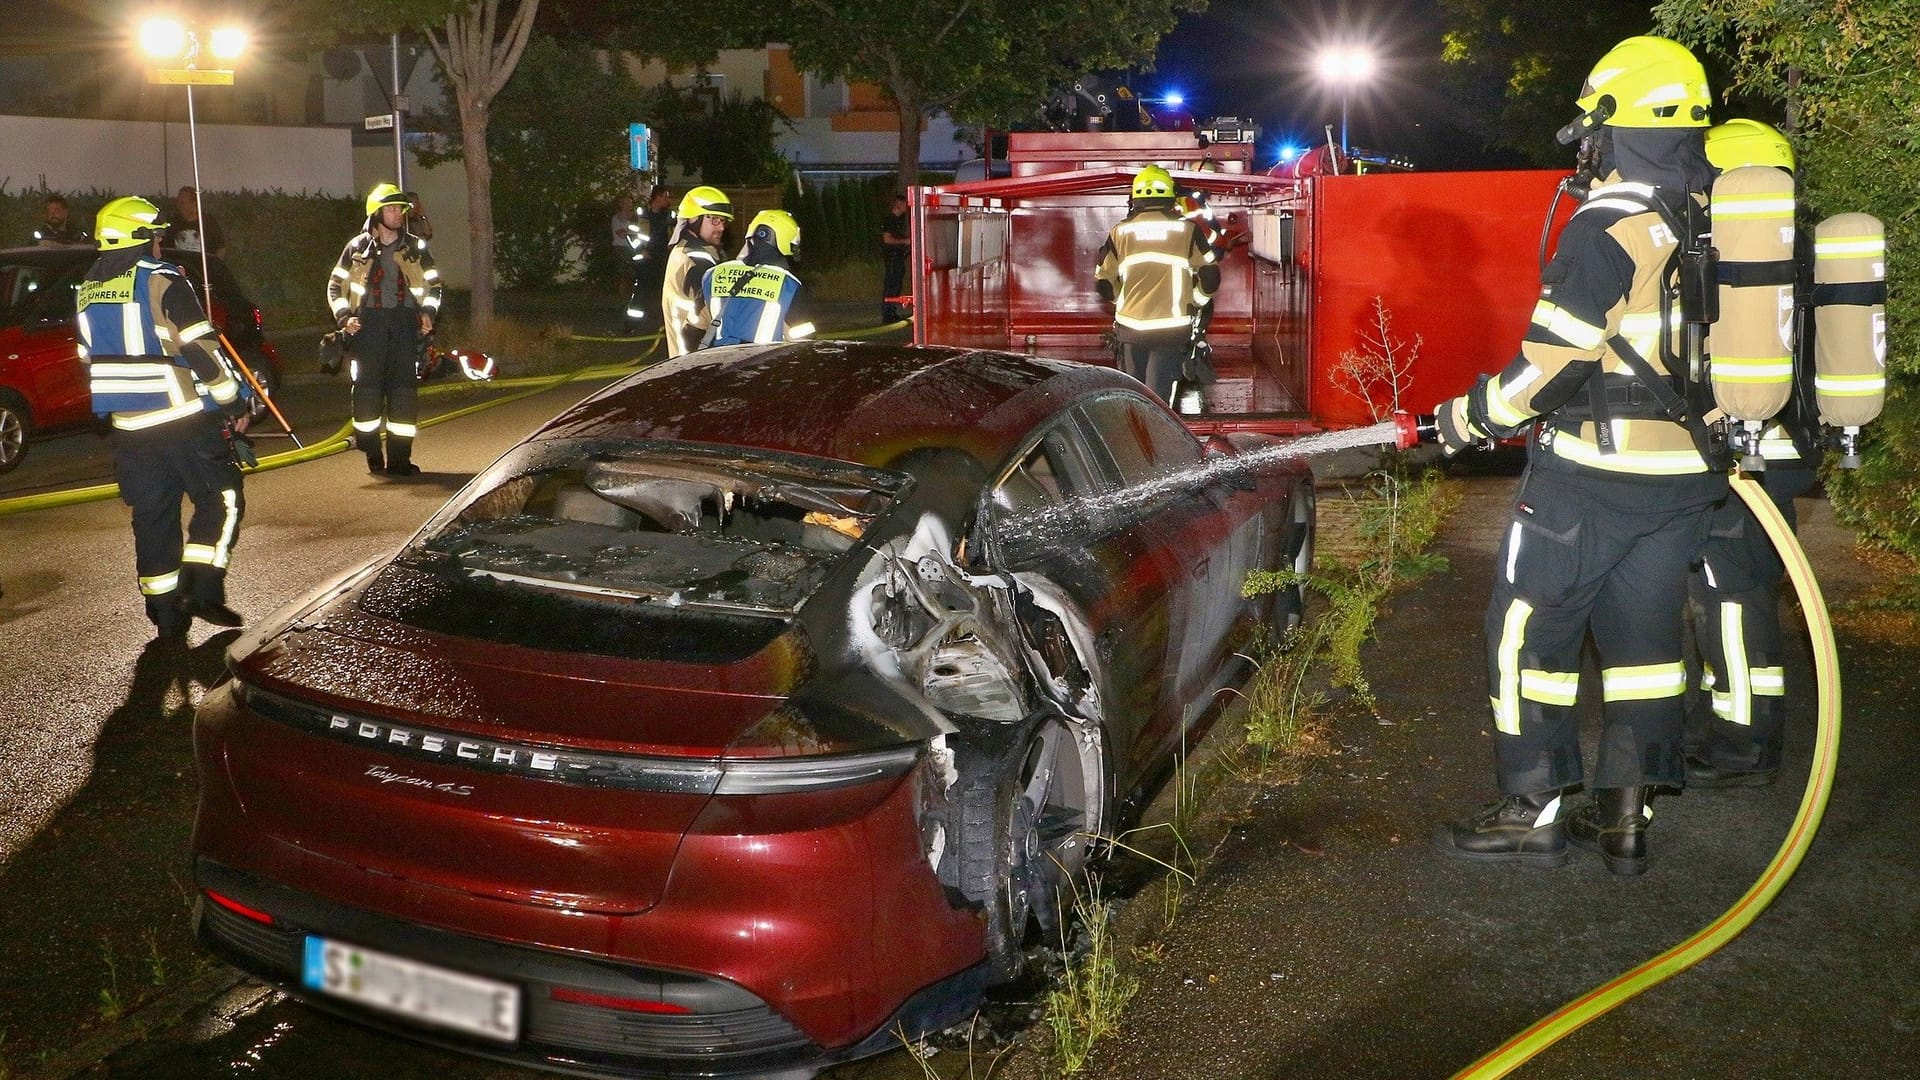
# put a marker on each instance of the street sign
(380, 122)
(189, 77)
(639, 147)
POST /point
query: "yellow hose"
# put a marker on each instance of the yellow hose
(1594, 1003)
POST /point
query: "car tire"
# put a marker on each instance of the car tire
(262, 369)
(1034, 815)
(1286, 608)
(15, 426)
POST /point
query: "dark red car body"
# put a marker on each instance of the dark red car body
(43, 381)
(752, 815)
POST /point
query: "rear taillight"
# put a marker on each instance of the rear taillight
(239, 908)
(610, 1001)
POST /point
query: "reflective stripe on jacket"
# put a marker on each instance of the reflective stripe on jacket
(1161, 270)
(1606, 280)
(749, 303)
(347, 285)
(136, 370)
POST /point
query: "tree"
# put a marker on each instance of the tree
(983, 61)
(1518, 64)
(1843, 76)
(478, 53)
(558, 139)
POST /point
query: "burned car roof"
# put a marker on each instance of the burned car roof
(863, 403)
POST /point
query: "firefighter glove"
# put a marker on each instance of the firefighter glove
(333, 350)
(241, 448)
(1457, 432)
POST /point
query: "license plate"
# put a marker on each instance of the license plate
(408, 988)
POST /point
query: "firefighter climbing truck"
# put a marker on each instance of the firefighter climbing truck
(1343, 297)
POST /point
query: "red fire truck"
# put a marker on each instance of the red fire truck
(1452, 259)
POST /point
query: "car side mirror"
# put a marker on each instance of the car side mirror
(1218, 447)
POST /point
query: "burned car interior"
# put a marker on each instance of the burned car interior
(680, 529)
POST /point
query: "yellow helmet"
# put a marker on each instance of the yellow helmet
(1748, 142)
(126, 222)
(386, 195)
(776, 227)
(1646, 82)
(705, 200)
(1153, 182)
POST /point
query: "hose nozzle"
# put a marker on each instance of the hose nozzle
(1411, 430)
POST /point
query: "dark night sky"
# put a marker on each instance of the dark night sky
(1256, 57)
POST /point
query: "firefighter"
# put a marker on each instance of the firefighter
(1617, 495)
(748, 298)
(1738, 711)
(385, 295)
(1198, 369)
(704, 213)
(156, 372)
(1158, 271)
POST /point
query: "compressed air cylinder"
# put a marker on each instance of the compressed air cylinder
(1752, 340)
(1850, 324)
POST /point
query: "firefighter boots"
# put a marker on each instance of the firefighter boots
(1702, 773)
(1615, 825)
(212, 611)
(1524, 829)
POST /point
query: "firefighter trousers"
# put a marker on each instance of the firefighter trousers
(1736, 715)
(386, 387)
(1156, 363)
(155, 467)
(1607, 553)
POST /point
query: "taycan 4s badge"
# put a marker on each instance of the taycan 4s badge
(388, 776)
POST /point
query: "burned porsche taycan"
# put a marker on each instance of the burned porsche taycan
(753, 709)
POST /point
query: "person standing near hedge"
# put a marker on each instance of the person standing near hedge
(896, 247)
(385, 294)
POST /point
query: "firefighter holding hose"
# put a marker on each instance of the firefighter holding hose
(1159, 272)
(1618, 493)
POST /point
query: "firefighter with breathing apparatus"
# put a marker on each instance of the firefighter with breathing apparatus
(178, 411)
(1618, 492)
(1159, 272)
(1764, 374)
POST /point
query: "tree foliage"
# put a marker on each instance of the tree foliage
(559, 147)
(732, 143)
(1843, 73)
(982, 61)
(1517, 65)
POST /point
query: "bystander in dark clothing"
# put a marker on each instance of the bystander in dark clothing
(896, 247)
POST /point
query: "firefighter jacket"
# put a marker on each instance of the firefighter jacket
(418, 287)
(149, 347)
(1602, 294)
(749, 304)
(1159, 270)
(683, 305)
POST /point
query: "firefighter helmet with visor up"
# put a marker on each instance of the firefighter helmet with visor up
(126, 222)
(704, 200)
(384, 195)
(1646, 82)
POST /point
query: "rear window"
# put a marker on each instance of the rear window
(669, 526)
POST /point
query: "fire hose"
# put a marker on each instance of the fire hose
(1602, 999)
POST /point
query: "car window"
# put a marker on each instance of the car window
(1030, 508)
(32, 291)
(1142, 440)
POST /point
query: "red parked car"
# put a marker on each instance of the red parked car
(43, 381)
(756, 708)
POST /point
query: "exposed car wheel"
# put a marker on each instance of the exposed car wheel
(15, 426)
(1032, 825)
(257, 363)
(1287, 607)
